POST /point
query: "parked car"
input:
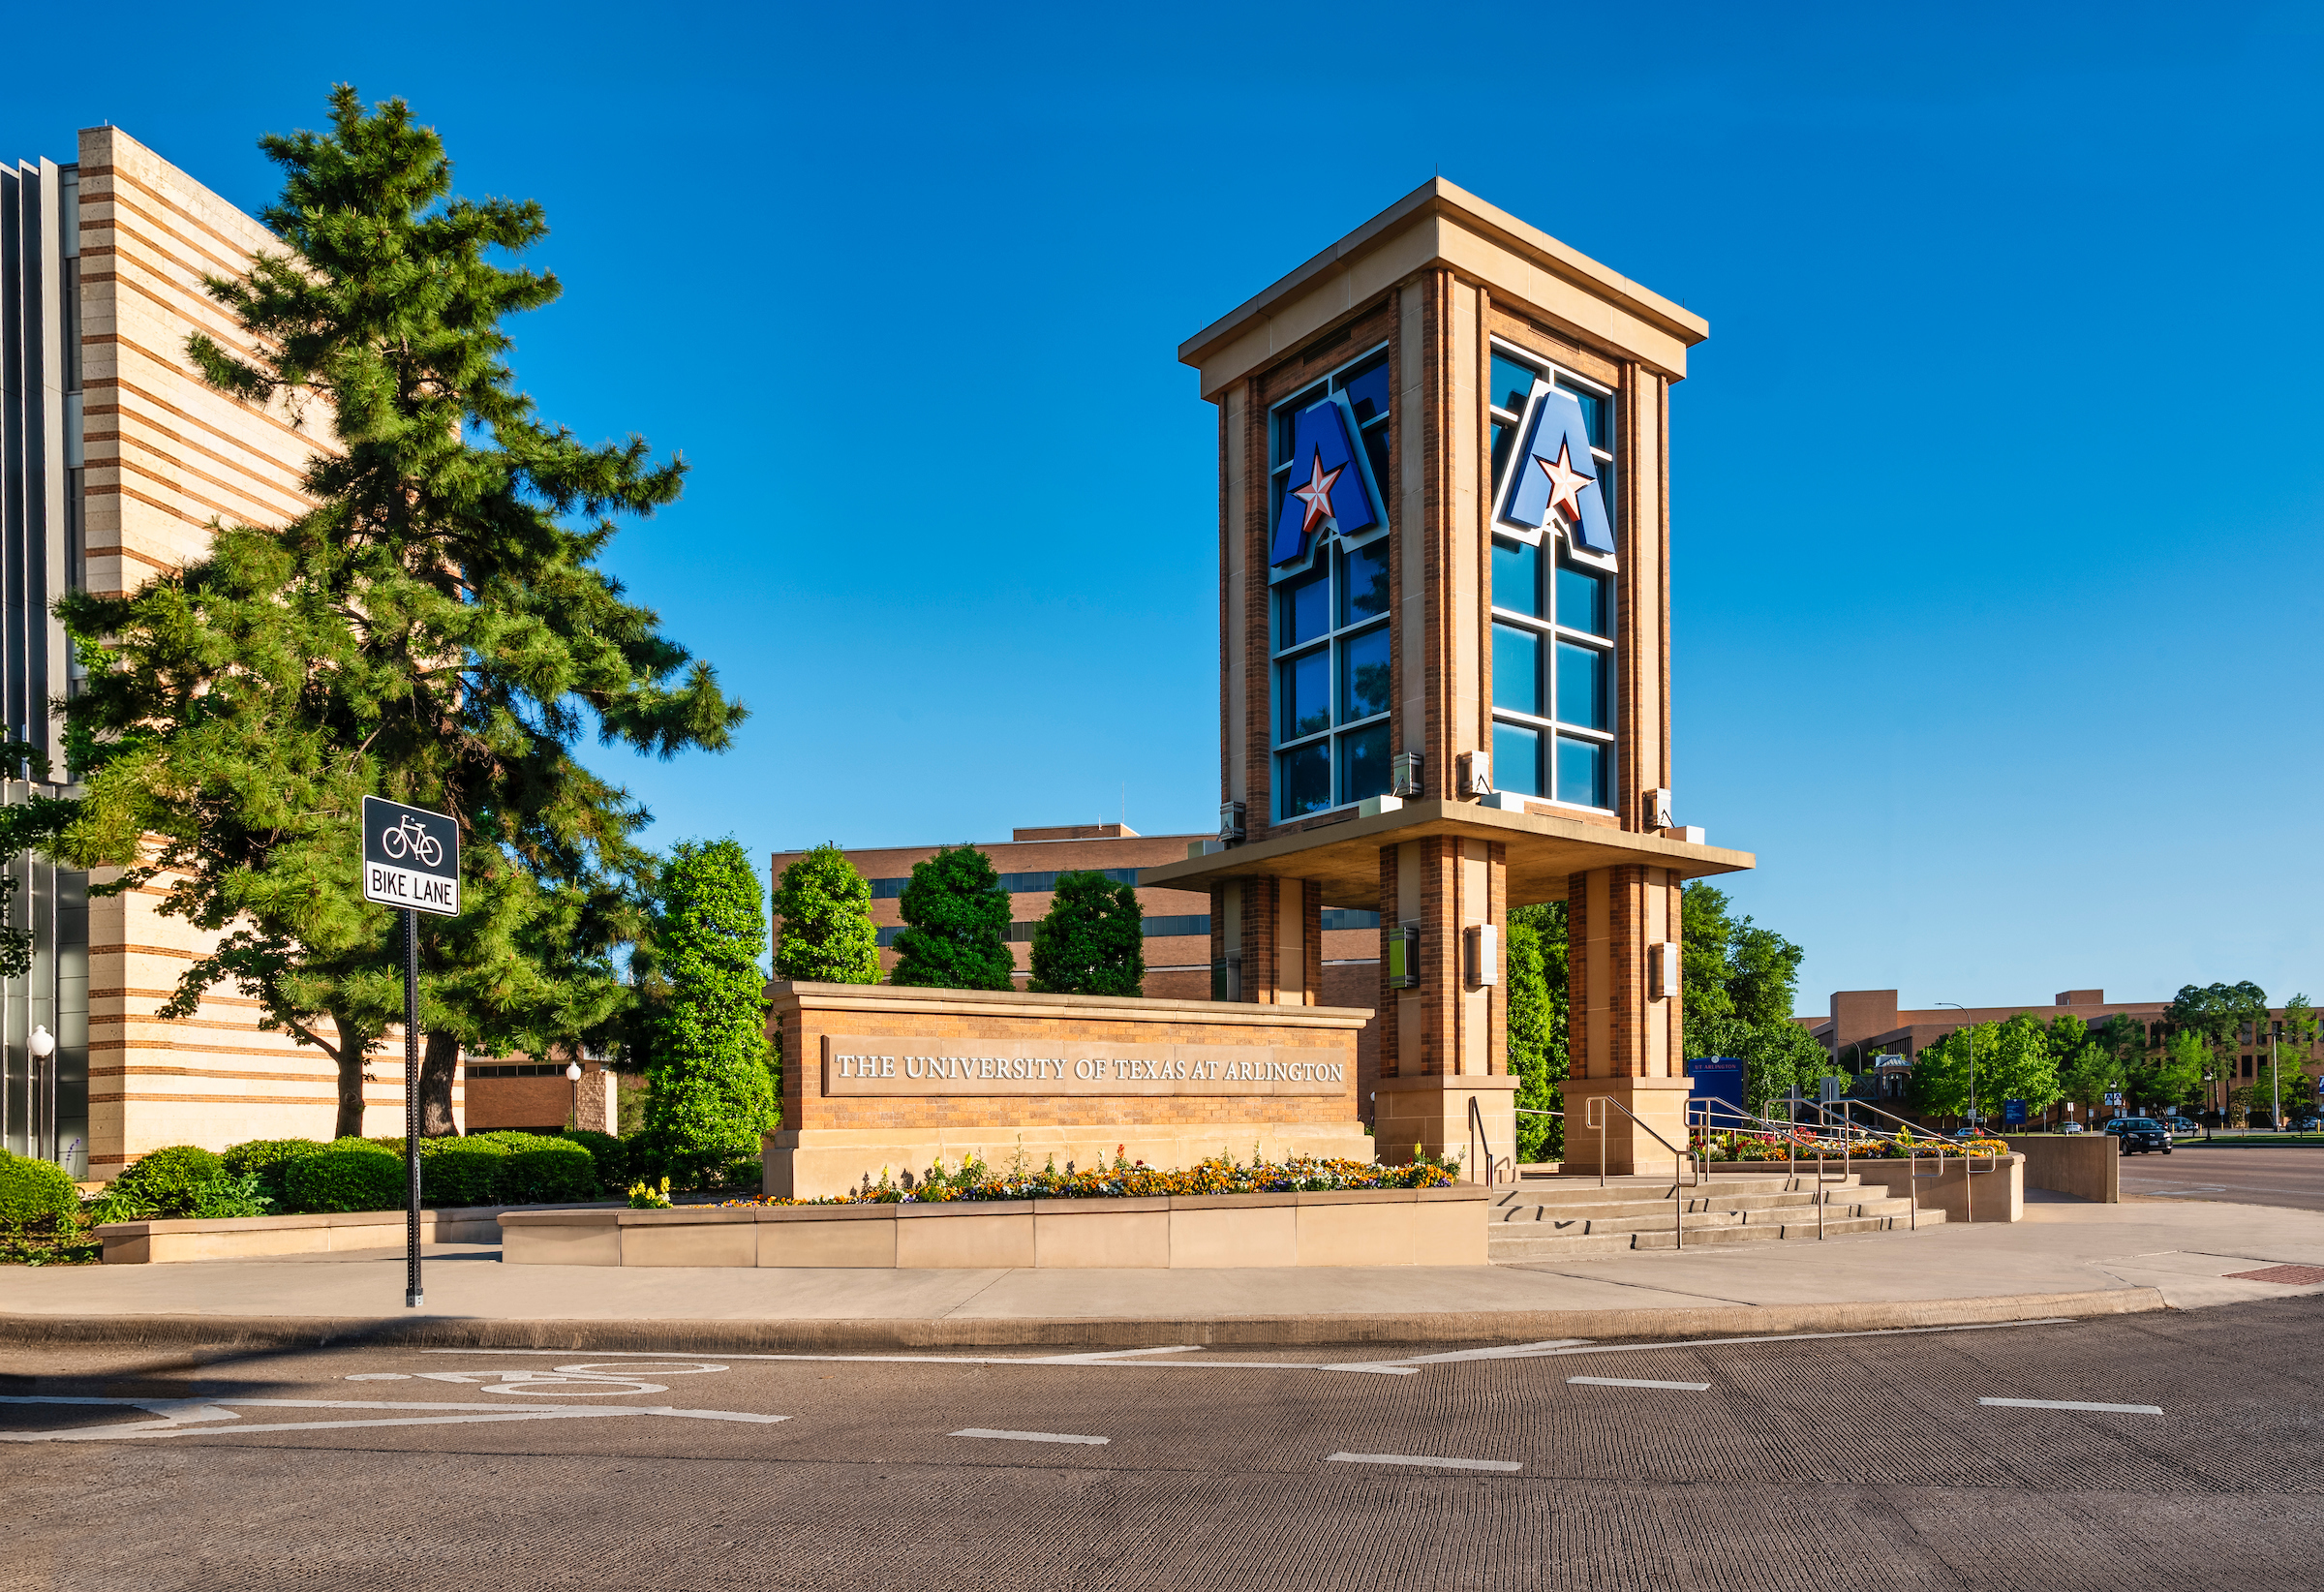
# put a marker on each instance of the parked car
(2183, 1127)
(2138, 1134)
(2308, 1123)
(2069, 1127)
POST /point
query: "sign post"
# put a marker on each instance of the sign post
(411, 862)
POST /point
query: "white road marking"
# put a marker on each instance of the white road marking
(1634, 1382)
(1423, 1459)
(1510, 1351)
(2071, 1404)
(1028, 1436)
(1111, 1359)
(174, 1413)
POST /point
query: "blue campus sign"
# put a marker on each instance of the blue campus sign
(2013, 1111)
(1331, 486)
(1555, 474)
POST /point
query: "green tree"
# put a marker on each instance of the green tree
(2166, 1079)
(1706, 931)
(1762, 975)
(957, 918)
(825, 908)
(434, 627)
(1941, 1071)
(712, 1093)
(2020, 1065)
(1538, 1050)
(2292, 1089)
(1778, 1057)
(2220, 1013)
(1092, 938)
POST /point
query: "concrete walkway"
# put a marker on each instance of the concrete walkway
(2066, 1258)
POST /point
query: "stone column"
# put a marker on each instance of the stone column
(1622, 1036)
(1444, 1043)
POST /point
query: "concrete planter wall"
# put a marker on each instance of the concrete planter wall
(1388, 1227)
(244, 1237)
(2089, 1166)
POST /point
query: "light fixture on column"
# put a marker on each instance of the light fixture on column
(1481, 945)
(1230, 821)
(1403, 948)
(1475, 774)
(1404, 773)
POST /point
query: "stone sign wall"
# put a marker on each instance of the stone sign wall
(880, 1078)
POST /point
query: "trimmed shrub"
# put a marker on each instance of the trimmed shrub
(267, 1159)
(233, 1194)
(372, 1147)
(611, 1155)
(31, 1189)
(168, 1182)
(344, 1180)
(462, 1172)
(553, 1170)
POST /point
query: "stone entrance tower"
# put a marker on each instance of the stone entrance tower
(1444, 655)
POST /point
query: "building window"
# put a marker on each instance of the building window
(1553, 621)
(1329, 627)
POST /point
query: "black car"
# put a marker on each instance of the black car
(2140, 1133)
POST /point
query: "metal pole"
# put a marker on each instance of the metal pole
(413, 1297)
(2275, 1083)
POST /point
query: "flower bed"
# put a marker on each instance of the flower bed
(1126, 1180)
(1776, 1147)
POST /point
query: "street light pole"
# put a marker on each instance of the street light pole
(572, 1076)
(1969, 1028)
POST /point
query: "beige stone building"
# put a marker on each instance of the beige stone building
(118, 458)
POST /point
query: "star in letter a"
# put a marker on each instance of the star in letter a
(1565, 483)
(1317, 494)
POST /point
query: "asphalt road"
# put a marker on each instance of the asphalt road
(1825, 1464)
(2292, 1175)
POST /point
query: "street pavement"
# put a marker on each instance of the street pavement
(2290, 1176)
(2175, 1448)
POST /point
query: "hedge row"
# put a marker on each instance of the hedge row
(299, 1175)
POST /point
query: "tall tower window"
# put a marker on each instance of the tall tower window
(1554, 618)
(1329, 623)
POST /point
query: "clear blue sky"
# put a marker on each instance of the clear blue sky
(1997, 486)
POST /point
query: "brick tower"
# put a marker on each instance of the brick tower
(1445, 659)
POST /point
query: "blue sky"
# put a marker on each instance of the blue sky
(1996, 488)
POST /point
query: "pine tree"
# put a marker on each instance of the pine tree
(434, 629)
(957, 918)
(825, 908)
(710, 1093)
(1091, 941)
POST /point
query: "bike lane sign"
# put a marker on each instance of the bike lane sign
(411, 857)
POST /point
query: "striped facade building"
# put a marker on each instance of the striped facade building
(118, 459)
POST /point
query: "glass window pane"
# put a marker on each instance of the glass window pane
(1593, 414)
(1581, 685)
(1375, 450)
(1606, 494)
(1581, 603)
(1287, 421)
(1304, 779)
(1580, 772)
(1363, 763)
(1364, 582)
(1517, 577)
(1303, 607)
(1366, 387)
(1512, 384)
(1517, 759)
(1303, 694)
(1505, 438)
(1363, 678)
(1517, 669)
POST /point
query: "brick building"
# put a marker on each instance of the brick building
(117, 457)
(1870, 1034)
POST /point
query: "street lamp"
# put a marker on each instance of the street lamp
(572, 1076)
(43, 1046)
(1970, 1029)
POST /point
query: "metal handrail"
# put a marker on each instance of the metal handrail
(1478, 1139)
(1916, 1149)
(1593, 1118)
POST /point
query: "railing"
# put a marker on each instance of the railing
(1478, 1141)
(1848, 1132)
(1593, 1118)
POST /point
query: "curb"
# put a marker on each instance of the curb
(908, 1334)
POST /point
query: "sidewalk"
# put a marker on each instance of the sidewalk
(2064, 1259)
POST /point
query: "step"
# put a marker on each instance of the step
(1518, 1249)
(1621, 1190)
(1522, 1210)
(1643, 1218)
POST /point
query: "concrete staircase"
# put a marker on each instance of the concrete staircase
(1553, 1218)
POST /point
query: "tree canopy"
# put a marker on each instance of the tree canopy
(1092, 938)
(710, 1088)
(826, 911)
(1538, 1052)
(435, 627)
(957, 921)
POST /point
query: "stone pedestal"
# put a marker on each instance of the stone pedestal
(1660, 1103)
(1434, 1113)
